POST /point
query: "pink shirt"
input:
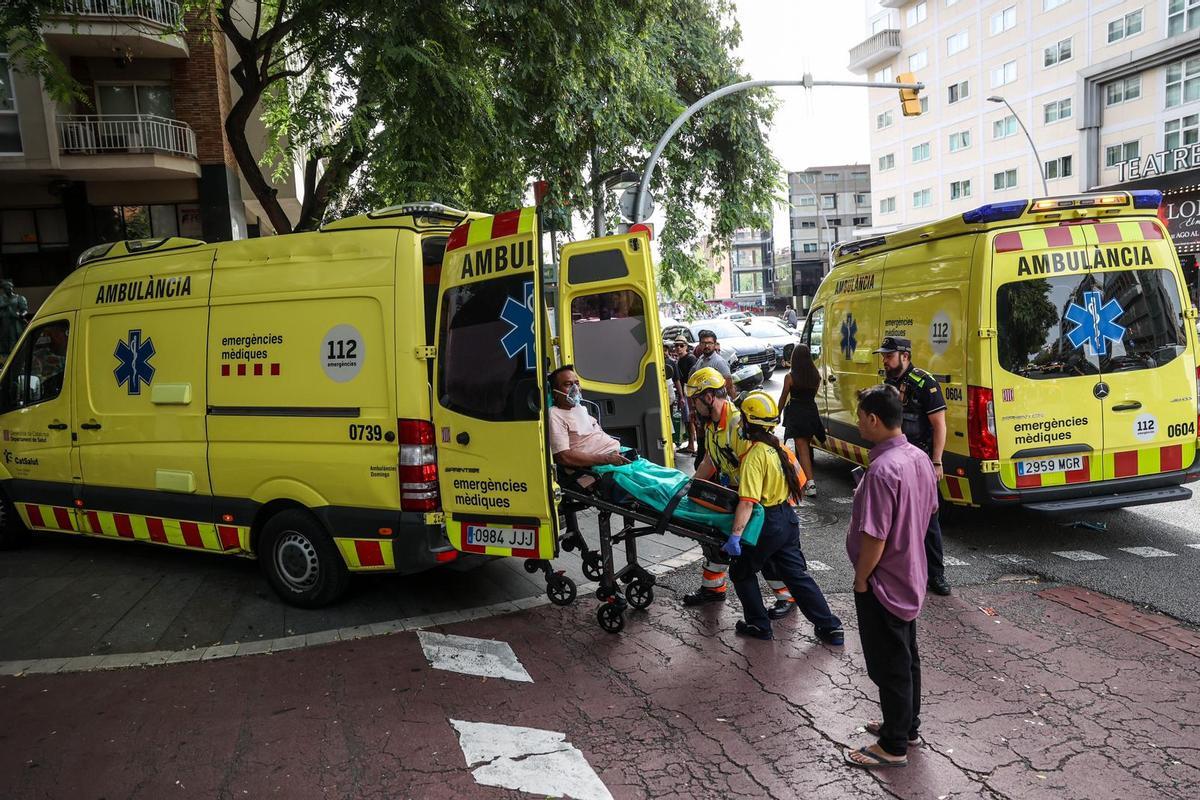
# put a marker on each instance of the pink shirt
(576, 429)
(894, 502)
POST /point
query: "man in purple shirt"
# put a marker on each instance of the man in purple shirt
(886, 545)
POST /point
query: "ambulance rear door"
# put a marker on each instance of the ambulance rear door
(489, 370)
(609, 329)
(853, 329)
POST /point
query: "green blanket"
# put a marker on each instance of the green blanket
(655, 486)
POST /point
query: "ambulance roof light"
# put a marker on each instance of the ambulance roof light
(422, 209)
(995, 212)
(133, 247)
(1147, 198)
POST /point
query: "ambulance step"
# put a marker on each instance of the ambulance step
(1142, 498)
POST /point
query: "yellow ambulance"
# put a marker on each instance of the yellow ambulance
(366, 397)
(1063, 336)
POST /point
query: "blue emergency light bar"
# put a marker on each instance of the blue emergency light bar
(994, 212)
(1147, 198)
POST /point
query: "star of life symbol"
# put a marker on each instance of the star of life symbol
(520, 337)
(135, 367)
(849, 334)
(1095, 324)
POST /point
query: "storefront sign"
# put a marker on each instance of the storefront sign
(1162, 162)
(1182, 213)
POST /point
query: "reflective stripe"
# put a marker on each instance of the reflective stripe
(713, 576)
(158, 530)
(781, 590)
(366, 555)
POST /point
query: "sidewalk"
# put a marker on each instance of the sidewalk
(1045, 699)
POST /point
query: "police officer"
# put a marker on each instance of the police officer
(771, 478)
(924, 425)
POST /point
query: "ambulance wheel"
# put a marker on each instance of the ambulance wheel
(561, 590)
(301, 561)
(13, 533)
(611, 618)
(640, 595)
(593, 565)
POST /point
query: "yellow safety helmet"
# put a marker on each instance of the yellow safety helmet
(759, 408)
(702, 380)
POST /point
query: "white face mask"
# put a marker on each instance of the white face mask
(574, 396)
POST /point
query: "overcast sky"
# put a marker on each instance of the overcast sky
(783, 39)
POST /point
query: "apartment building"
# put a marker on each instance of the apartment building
(826, 205)
(1109, 91)
(145, 156)
(751, 266)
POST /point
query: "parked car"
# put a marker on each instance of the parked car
(776, 333)
(734, 339)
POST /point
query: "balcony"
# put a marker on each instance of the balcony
(118, 28)
(108, 146)
(880, 47)
(894, 3)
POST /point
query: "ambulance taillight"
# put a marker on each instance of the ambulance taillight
(418, 466)
(981, 424)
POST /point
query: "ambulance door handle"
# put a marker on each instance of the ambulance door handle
(833, 378)
(1133, 405)
(58, 426)
(90, 426)
(463, 438)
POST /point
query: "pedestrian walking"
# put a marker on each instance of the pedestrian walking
(885, 543)
(924, 425)
(801, 417)
(789, 317)
(771, 478)
(685, 362)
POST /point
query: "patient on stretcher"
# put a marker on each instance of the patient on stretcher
(576, 439)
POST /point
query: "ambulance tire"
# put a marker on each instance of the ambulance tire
(300, 560)
(13, 533)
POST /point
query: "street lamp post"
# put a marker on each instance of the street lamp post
(1041, 167)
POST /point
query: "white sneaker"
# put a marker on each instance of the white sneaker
(811, 489)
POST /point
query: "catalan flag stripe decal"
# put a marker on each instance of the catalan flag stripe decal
(1120, 464)
(159, 530)
(508, 223)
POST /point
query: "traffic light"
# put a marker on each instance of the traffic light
(910, 104)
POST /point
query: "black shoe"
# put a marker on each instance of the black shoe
(702, 596)
(939, 586)
(833, 636)
(781, 609)
(753, 631)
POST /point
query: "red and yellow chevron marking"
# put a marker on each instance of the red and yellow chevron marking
(366, 554)
(1122, 464)
(955, 489)
(1073, 235)
(159, 530)
(850, 452)
(509, 223)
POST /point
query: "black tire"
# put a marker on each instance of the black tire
(561, 590)
(611, 618)
(13, 533)
(532, 565)
(593, 565)
(639, 595)
(300, 560)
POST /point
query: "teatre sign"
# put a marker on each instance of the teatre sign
(1179, 158)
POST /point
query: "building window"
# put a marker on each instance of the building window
(920, 152)
(1182, 16)
(10, 123)
(960, 189)
(860, 222)
(1004, 180)
(116, 223)
(1058, 168)
(958, 91)
(884, 75)
(1183, 82)
(1120, 153)
(810, 247)
(1058, 110)
(879, 23)
(924, 103)
(884, 120)
(1181, 132)
(862, 199)
(828, 201)
(887, 162)
(1050, 5)
(860, 176)
(918, 61)
(887, 205)
(1123, 90)
(808, 223)
(923, 198)
(1124, 27)
(807, 200)
(950, 3)
(1003, 128)
(1057, 53)
(156, 100)
(1004, 20)
(960, 141)
(1004, 74)
(916, 14)
(32, 230)
(835, 222)
(956, 43)
(831, 177)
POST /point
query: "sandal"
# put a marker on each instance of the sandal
(873, 726)
(873, 759)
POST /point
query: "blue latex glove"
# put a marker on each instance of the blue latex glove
(732, 546)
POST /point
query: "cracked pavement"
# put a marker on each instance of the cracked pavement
(1040, 701)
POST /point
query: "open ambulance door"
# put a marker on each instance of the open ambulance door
(608, 328)
(489, 369)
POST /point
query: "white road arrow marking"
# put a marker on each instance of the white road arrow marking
(528, 760)
(486, 658)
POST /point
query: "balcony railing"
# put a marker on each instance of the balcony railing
(124, 133)
(879, 47)
(162, 12)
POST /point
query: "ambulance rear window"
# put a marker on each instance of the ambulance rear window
(1099, 322)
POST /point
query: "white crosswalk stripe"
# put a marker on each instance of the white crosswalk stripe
(1194, 546)
(486, 658)
(1080, 555)
(818, 566)
(843, 500)
(1147, 552)
(951, 561)
(528, 760)
(1011, 558)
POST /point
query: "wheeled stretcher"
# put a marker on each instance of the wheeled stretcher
(649, 500)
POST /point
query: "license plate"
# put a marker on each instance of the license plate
(501, 536)
(1043, 466)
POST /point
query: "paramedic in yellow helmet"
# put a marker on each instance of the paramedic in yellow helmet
(771, 478)
(723, 448)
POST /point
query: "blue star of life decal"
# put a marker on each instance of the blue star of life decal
(520, 337)
(135, 367)
(1095, 324)
(849, 336)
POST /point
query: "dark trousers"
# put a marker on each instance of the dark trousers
(933, 548)
(779, 546)
(889, 647)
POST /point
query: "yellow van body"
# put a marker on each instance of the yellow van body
(1063, 336)
(266, 397)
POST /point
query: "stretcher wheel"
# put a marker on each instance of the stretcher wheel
(561, 590)
(611, 618)
(640, 595)
(593, 565)
(532, 565)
